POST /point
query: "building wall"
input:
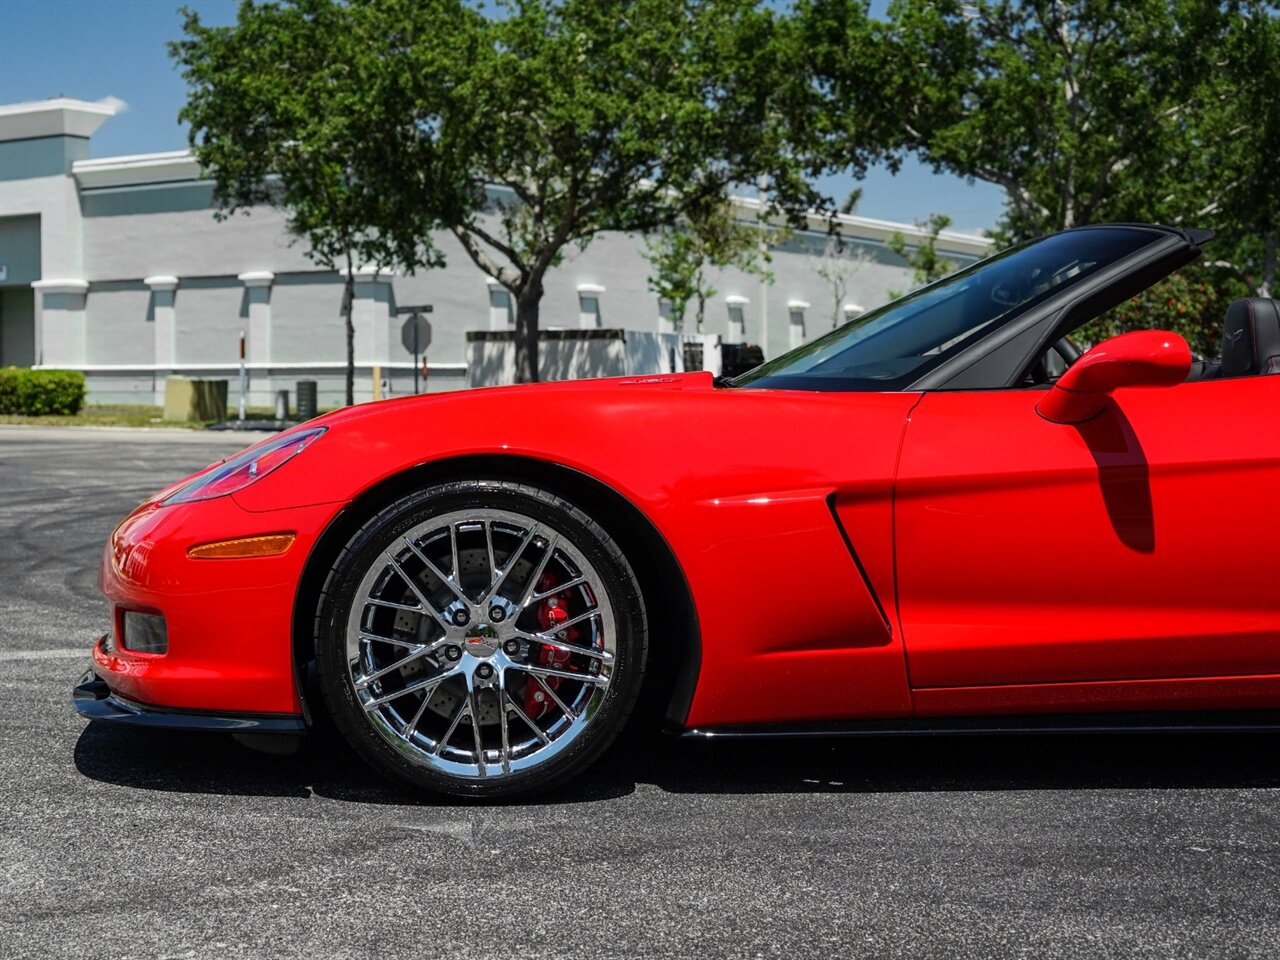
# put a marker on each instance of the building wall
(135, 232)
(119, 324)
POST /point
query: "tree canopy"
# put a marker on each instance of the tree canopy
(374, 123)
(522, 131)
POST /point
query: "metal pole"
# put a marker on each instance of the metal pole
(414, 319)
(244, 375)
(762, 185)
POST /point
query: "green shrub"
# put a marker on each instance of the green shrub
(41, 392)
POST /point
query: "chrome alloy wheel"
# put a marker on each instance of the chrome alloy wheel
(480, 643)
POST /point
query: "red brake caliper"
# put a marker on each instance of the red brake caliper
(553, 611)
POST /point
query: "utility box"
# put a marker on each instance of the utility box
(189, 399)
(573, 354)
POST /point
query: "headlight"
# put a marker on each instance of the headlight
(244, 468)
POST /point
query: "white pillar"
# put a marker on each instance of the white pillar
(589, 306)
(501, 316)
(852, 311)
(737, 319)
(711, 356)
(666, 320)
(61, 322)
(371, 314)
(796, 309)
(164, 314)
(257, 284)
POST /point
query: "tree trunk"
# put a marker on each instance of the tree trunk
(700, 286)
(528, 302)
(1270, 242)
(349, 296)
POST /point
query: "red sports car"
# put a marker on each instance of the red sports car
(937, 518)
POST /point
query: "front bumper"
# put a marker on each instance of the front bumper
(229, 622)
(94, 700)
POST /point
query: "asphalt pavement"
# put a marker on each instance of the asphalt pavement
(124, 843)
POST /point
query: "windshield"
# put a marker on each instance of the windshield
(892, 347)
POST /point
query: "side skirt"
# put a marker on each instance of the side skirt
(1216, 721)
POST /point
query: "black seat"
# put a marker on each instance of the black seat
(1251, 338)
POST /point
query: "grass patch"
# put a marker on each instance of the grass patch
(122, 415)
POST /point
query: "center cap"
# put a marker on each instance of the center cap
(481, 640)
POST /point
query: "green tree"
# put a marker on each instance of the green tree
(590, 116)
(1077, 108)
(927, 264)
(1088, 111)
(280, 106)
(1191, 302)
(836, 264)
(1230, 161)
(375, 123)
(680, 256)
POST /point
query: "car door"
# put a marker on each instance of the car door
(1139, 545)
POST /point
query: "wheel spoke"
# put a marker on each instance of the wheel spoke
(602, 655)
(447, 581)
(396, 641)
(418, 653)
(537, 730)
(411, 607)
(453, 725)
(472, 704)
(412, 725)
(516, 554)
(453, 550)
(493, 566)
(505, 754)
(417, 591)
(552, 694)
(541, 672)
(429, 685)
(558, 588)
(529, 588)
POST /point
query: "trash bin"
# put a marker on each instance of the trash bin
(306, 399)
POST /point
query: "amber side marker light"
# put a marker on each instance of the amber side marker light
(269, 546)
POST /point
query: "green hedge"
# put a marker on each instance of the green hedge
(41, 392)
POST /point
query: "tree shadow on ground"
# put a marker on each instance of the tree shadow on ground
(325, 766)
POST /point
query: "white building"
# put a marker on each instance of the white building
(117, 267)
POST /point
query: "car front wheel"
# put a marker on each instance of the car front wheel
(481, 638)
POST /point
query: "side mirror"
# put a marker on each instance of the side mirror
(1145, 358)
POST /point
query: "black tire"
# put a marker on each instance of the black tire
(363, 551)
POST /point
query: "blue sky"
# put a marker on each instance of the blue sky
(92, 49)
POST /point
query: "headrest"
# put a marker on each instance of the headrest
(1251, 338)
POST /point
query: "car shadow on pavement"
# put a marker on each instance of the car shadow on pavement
(325, 766)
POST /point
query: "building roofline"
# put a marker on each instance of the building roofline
(874, 229)
(59, 117)
(180, 165)
(170, 166)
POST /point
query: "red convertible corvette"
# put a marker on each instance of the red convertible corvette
(937, 518)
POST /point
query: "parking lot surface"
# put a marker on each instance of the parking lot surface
(123, 843)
